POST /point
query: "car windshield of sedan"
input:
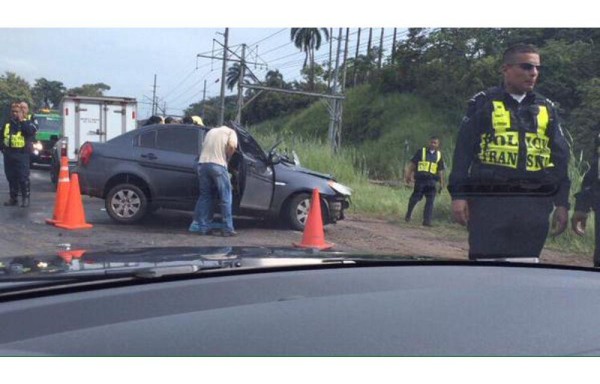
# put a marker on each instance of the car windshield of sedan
(467, 156)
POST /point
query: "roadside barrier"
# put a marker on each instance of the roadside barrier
(62, 192)
(74, 217)
(313, 235)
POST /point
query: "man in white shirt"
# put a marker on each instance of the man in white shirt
(218, 147)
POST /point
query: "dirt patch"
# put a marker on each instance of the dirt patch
(382, 236)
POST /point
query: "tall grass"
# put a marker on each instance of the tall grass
(569, 241)
(382, 201)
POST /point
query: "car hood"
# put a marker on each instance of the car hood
(102, 262)
(286, 167)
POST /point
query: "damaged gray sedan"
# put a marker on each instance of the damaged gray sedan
(155, 167)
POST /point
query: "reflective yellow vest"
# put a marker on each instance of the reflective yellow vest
(15, 140)
(502, 147)
(428, 166)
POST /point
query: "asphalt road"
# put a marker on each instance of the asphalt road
(23, 231)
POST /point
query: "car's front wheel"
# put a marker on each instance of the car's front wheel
(126, 203)
(297, 211)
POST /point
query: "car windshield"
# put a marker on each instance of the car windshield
(469, 147)
(495, 168)
(49, 123)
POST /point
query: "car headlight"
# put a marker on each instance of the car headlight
(339, 188)
(38, 145)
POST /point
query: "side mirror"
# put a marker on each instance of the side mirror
(274, 158)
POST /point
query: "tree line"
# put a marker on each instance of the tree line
(445, 66)
(43, 94)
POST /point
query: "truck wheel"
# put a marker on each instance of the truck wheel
(297, 211)
(126, 203)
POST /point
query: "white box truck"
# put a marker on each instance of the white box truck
(95, 119)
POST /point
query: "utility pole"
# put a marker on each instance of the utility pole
(345, 60)
(394, 47)
(240, 102)
(222, 110)
(154, 97)
(330, 53)
(202, 111)
(380, 49)
(243, 67)
(369, 58)
(356, 58)
(338, 136)
(334, 109)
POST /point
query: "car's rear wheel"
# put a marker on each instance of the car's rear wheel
(297, 211)
(126, 203)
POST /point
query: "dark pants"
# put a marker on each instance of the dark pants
(501, 227)
(16, 169)
(214, 183)
(422, 188)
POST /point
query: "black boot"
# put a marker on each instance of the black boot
(12, 201)
(25, 191)
(409, 210)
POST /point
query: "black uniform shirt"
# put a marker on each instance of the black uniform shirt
(470, 174)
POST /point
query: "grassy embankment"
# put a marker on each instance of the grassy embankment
(385, 125)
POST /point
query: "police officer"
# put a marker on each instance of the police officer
(17, 135)
(589, 198)
(25, 108)
(29, 117)
(429, 167)
(510, 165)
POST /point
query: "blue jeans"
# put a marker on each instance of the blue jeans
(214, 183)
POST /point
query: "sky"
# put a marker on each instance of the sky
(125, 45)
(127, 59)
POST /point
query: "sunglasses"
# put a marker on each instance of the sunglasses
(528, 67)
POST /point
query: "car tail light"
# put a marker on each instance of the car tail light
(85, 153)
(63, 149)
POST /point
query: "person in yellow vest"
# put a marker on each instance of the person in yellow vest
(29, 117)
(425, 170)
(509, 170)
(16, 136)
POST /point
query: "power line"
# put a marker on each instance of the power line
(181, 94)
(270, 36)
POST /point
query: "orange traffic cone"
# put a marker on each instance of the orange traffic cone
(68, 256)
(62, 192)
(74, 217)
(314, 236)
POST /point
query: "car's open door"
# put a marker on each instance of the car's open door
(256, 178)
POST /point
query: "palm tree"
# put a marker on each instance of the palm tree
(233, 76)
(274, 79)
(309, 41)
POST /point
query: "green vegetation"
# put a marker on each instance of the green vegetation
(396, 119)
